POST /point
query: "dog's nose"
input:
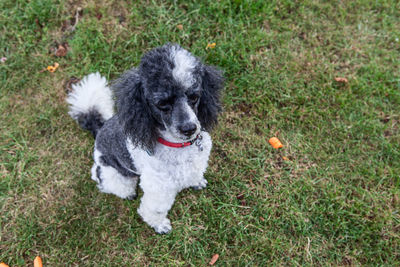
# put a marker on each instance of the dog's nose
(188, 129)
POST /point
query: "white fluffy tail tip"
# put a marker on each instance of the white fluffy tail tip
(91, 93)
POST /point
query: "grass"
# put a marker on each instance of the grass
(334, 202)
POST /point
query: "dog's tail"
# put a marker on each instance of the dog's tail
(91, 102)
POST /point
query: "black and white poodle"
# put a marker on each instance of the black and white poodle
(158, 134)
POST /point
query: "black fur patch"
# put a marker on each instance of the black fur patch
(209, 107)
(91, 121)
(98, 173)
(134, 114)
(113, 162)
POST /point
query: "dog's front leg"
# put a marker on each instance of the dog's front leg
(199, 182)
(157, 200)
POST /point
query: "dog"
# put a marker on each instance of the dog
(159, 134)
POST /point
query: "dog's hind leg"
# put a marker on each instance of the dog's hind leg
(112, 182)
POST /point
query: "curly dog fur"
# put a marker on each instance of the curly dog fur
(171, 96)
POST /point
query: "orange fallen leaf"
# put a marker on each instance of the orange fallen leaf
(211, 46)
(3, 265)
(285, 158)
(213, 259)
(37, 262)
(341, 80)
(275, 143)
(52, 68)
(179, 26)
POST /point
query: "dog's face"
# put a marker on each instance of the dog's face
(177, 112)
(172, 95)
(172, 87)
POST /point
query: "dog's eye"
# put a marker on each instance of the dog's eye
(164, 105)
(193, 98)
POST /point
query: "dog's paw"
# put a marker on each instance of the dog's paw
(164, 227)
(201, 185)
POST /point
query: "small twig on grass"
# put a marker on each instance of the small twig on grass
(76, 18)
(308, 249)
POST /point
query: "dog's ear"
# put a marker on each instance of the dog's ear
(209, 106)
(133, 112)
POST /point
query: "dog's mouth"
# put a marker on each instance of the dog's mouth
(184, 138)
(173, 135)
(188, 139)
(191, 136)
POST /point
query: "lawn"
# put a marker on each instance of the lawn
(330, 196)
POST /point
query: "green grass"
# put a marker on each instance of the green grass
(334, 202)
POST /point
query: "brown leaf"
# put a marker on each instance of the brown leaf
(61, 50)
(68, 84)
(341, 80)
(179, 26)
(213, 259)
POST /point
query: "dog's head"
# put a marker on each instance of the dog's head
(172, 95)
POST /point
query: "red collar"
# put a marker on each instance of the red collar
(177, 145)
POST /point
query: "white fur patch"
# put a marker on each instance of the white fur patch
(164, 174)
(171, 168)
(91, 93)
(111, 181)
(184, 65)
